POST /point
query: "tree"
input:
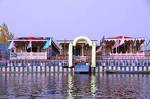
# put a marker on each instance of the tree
(5, 35)
(2, 37)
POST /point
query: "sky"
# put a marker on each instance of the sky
(67, 19)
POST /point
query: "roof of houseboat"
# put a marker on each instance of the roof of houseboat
(31, 38)
(124, 37)
(119, 37)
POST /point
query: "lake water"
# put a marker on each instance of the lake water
(74, 86)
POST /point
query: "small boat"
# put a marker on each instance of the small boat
(81, 68)
(126, 72)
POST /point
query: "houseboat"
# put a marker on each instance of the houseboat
(33, 48)
(44, 54)
(87, 54)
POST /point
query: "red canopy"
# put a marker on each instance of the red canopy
(120, 37)
(32, 38)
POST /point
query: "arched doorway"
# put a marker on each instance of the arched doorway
(82, 49)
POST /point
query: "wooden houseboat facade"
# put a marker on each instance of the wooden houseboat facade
(33, 48)
(39, 54)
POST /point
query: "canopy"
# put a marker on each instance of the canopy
(31, 38)
(120, 37)
(47, 44)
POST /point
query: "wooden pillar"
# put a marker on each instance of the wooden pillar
(82, 49)
(31, 50)
(70, 55)
(93, 61)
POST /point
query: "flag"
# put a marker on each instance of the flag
(29, 45)
(122, 41)
(102, 41)
(134, 43)
(47, 44)
(117, 43)
(11, 46)
(147, 44)
(101, 44)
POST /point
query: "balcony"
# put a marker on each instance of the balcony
(122, 56)
(81, 58)
(31, 55)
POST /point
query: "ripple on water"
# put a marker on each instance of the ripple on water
(62, 86)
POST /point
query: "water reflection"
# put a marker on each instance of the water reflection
(70, 86)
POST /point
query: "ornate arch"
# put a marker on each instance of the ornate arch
(82, 38)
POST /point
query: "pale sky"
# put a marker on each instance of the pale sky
(71, 18)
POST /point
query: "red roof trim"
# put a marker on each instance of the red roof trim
(31, 38)
(120, 37)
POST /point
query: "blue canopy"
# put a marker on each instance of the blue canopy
(47, 44)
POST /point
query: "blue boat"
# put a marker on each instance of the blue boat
(82, 68)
